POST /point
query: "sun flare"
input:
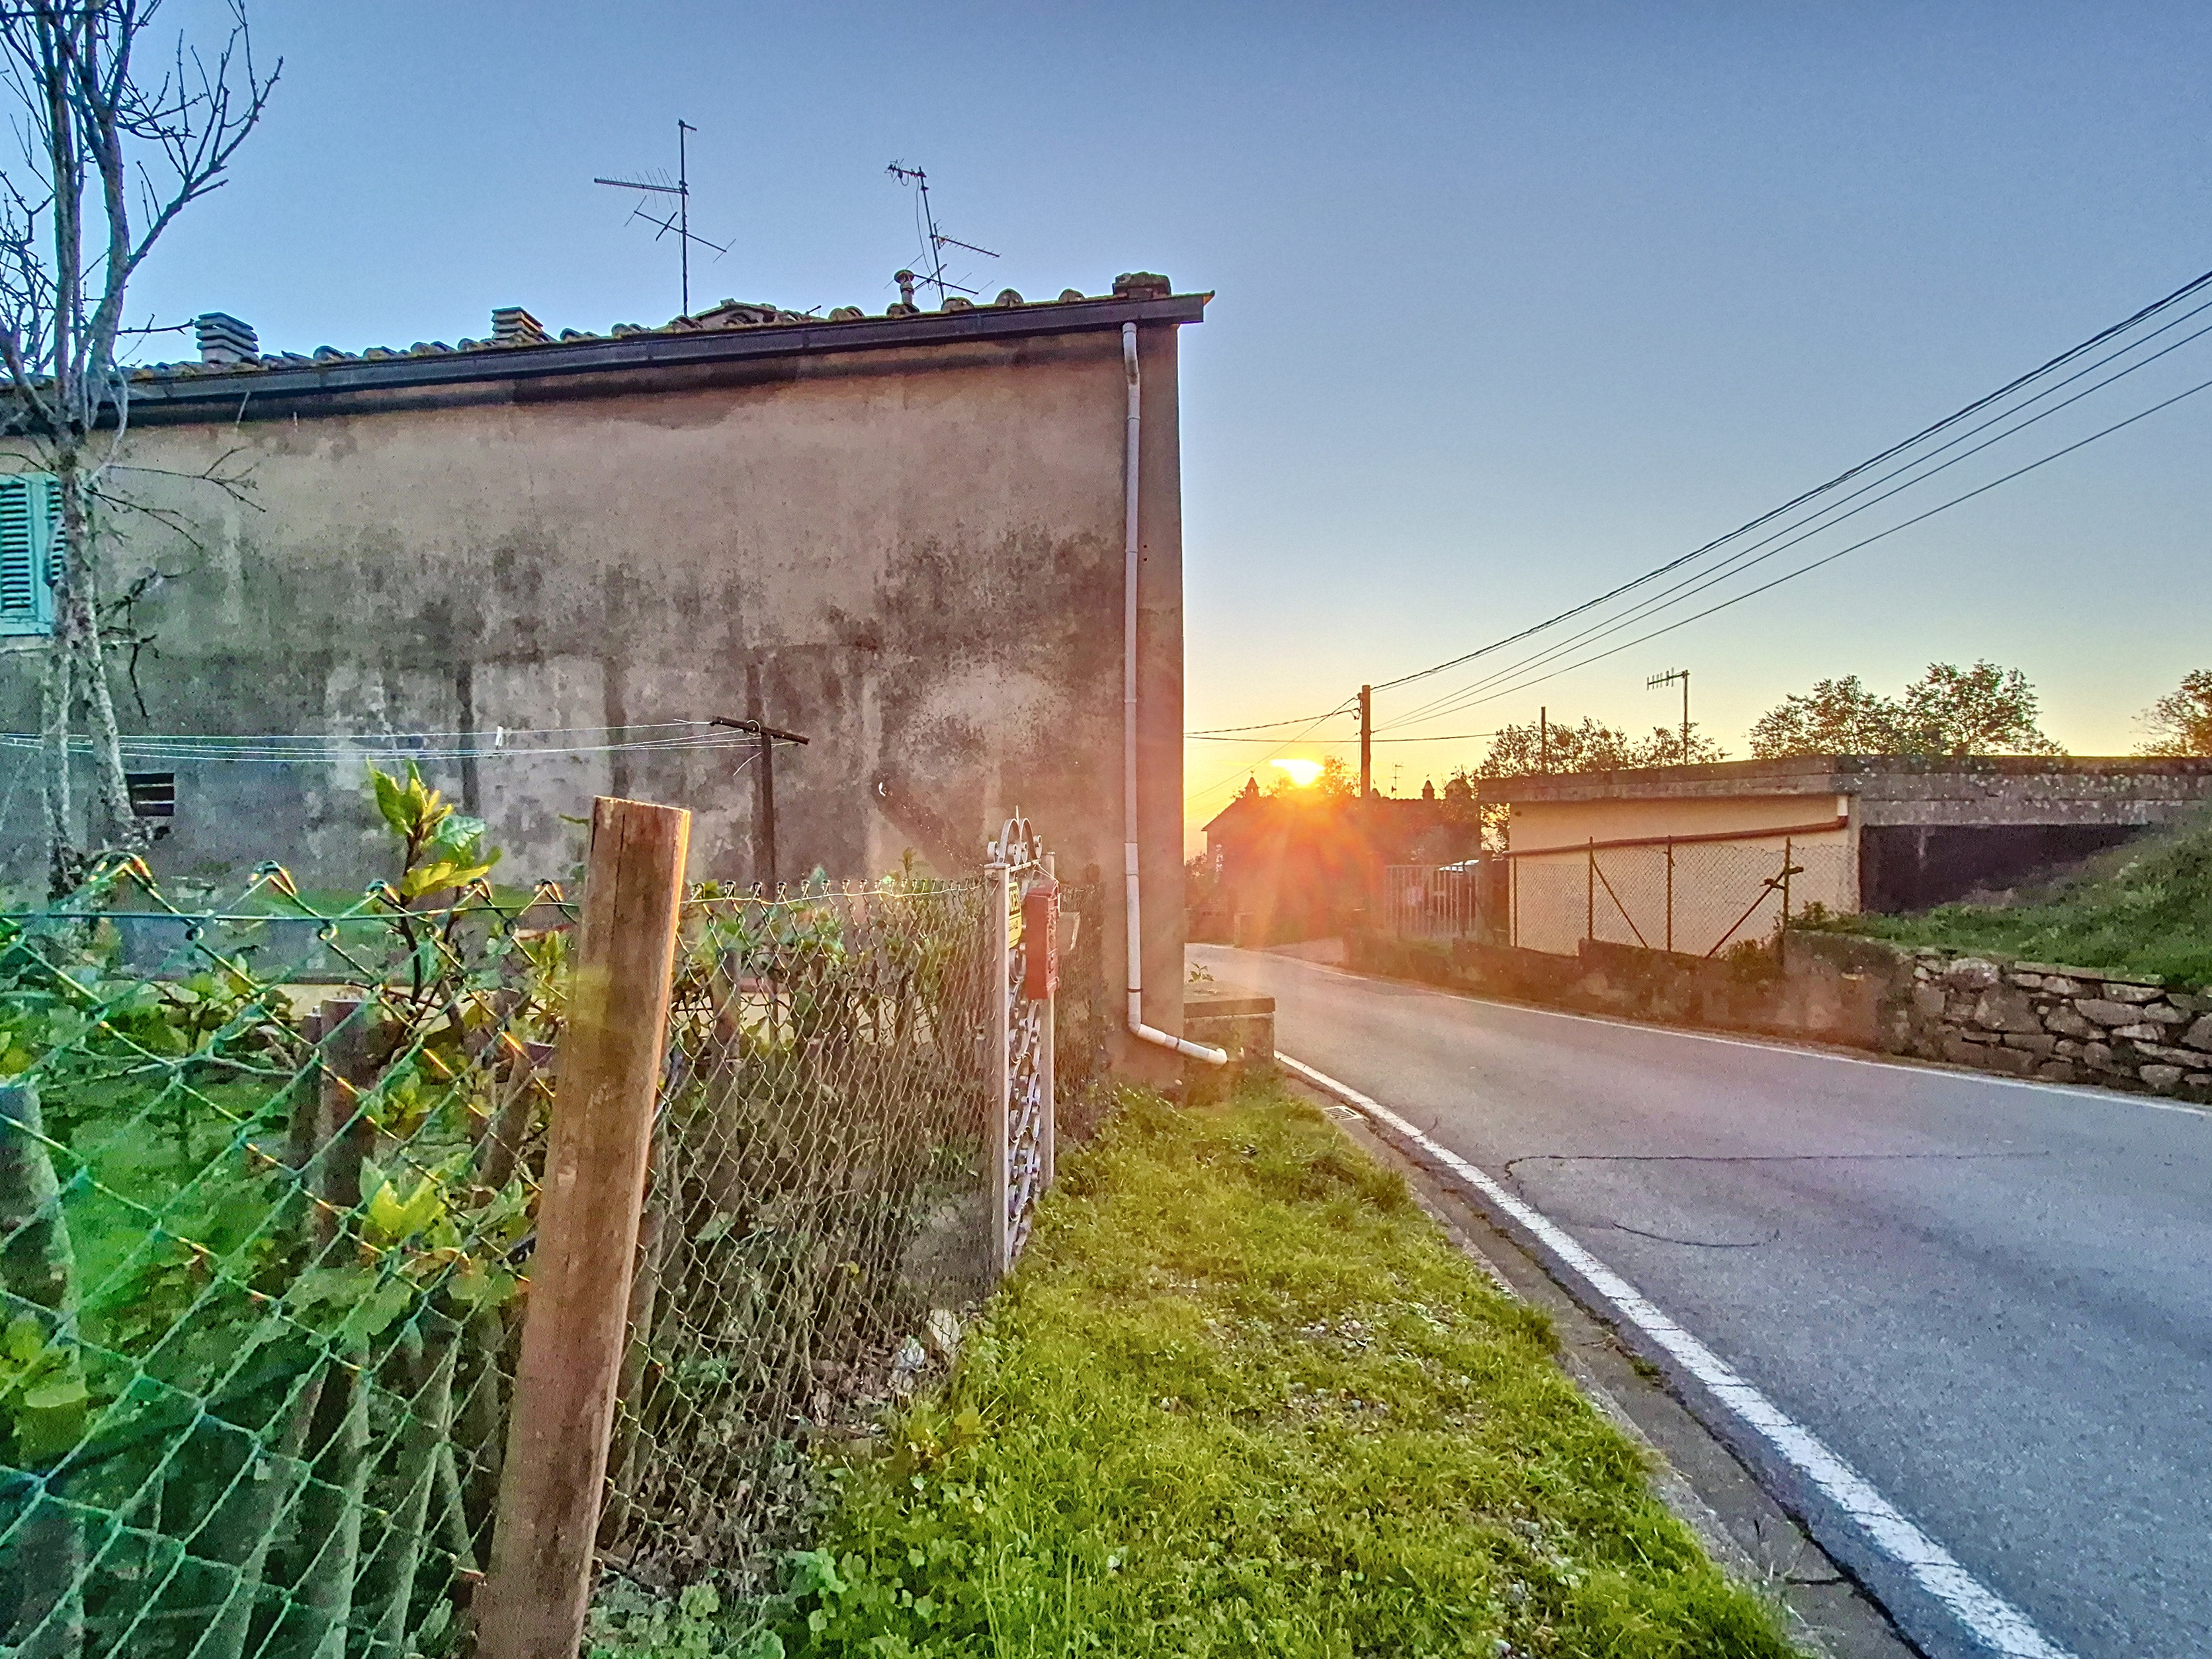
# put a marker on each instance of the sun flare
(1302, 772)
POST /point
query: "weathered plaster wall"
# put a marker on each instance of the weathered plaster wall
(913, 555)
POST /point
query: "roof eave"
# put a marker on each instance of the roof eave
(211, 391)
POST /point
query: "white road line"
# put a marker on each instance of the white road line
(1994, 1621)
(1958, 1073)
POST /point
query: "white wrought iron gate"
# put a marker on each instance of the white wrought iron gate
(1021, 910)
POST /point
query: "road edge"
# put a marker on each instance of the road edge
(1914, 1613)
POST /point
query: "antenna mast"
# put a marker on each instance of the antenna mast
(680, 221)
(934, 241)
(1668, 679)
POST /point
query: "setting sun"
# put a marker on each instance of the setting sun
(1302, 772)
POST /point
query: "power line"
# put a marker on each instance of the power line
(1441, 737)
(1796, 534)
(1841, 479)
(1830, 558)
(1287, 742)
(1264, 725)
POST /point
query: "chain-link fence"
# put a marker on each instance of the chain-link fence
(262, 1247)
(270, 1175)
(816, 1218)
(1698, 898)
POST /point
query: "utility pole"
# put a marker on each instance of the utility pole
(1668, 678)
(1544, 740)
(769, 737)
(1366, 739)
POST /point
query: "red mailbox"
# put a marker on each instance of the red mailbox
(1041, 941)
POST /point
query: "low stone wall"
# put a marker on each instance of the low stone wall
(1240, 1022)
(2024, 1019)
(2068, 1025)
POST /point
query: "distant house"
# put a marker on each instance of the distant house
(536, 564)
(1681, 857)
(1305, 865)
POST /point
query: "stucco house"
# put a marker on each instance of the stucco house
(1681, 857)
(1302, 865)
(921, 538)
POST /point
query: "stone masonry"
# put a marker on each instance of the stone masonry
(2024, 1019)
(2063, 1024)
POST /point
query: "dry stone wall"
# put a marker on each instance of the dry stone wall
(2063, 1024)
(2025, 1019)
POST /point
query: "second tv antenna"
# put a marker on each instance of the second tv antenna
(678, 222)
(934, 241)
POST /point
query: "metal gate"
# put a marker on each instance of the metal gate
(1021, 911)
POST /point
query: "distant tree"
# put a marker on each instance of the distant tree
(2180, 722)
(1521, 750)
(1982, 710)
(1517, 751)
(1836, 717)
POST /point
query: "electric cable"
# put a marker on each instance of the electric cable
(1795, 534)
(1830, 558)
(1949, 421)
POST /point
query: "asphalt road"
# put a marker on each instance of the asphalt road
(1993, 1299)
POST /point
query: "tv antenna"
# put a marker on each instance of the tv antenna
(678, 222)
(1668, 679)
(934, 241)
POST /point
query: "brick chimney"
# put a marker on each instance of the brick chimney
(224, 339)
(512, 326)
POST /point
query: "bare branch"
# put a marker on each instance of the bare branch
(111, 158)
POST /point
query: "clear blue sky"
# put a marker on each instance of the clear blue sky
(1515, 300)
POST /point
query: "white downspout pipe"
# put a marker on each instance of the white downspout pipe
(1131, 903)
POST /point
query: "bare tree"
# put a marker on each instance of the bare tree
(110, 157)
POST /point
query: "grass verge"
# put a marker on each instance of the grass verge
(1243, 1397)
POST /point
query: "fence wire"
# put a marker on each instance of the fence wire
(816, 1221)
(269, 1173)
(1695, 898)
(260, 1255)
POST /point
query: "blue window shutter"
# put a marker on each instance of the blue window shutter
(27, 534)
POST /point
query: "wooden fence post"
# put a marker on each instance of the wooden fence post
(607, 1074)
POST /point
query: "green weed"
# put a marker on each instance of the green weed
(2142, 908)
(1243, 1397)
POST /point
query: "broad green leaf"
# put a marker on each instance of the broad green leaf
(49, 1418)
(375, 1312)
(391, 801)
(459, 833)
(392, 1218)
(57, 1395)
(26, 1339)
(340, 1287)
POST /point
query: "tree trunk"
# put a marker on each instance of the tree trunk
(122, 831)
(54, 699)
(77, 672)
(39, 1267)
